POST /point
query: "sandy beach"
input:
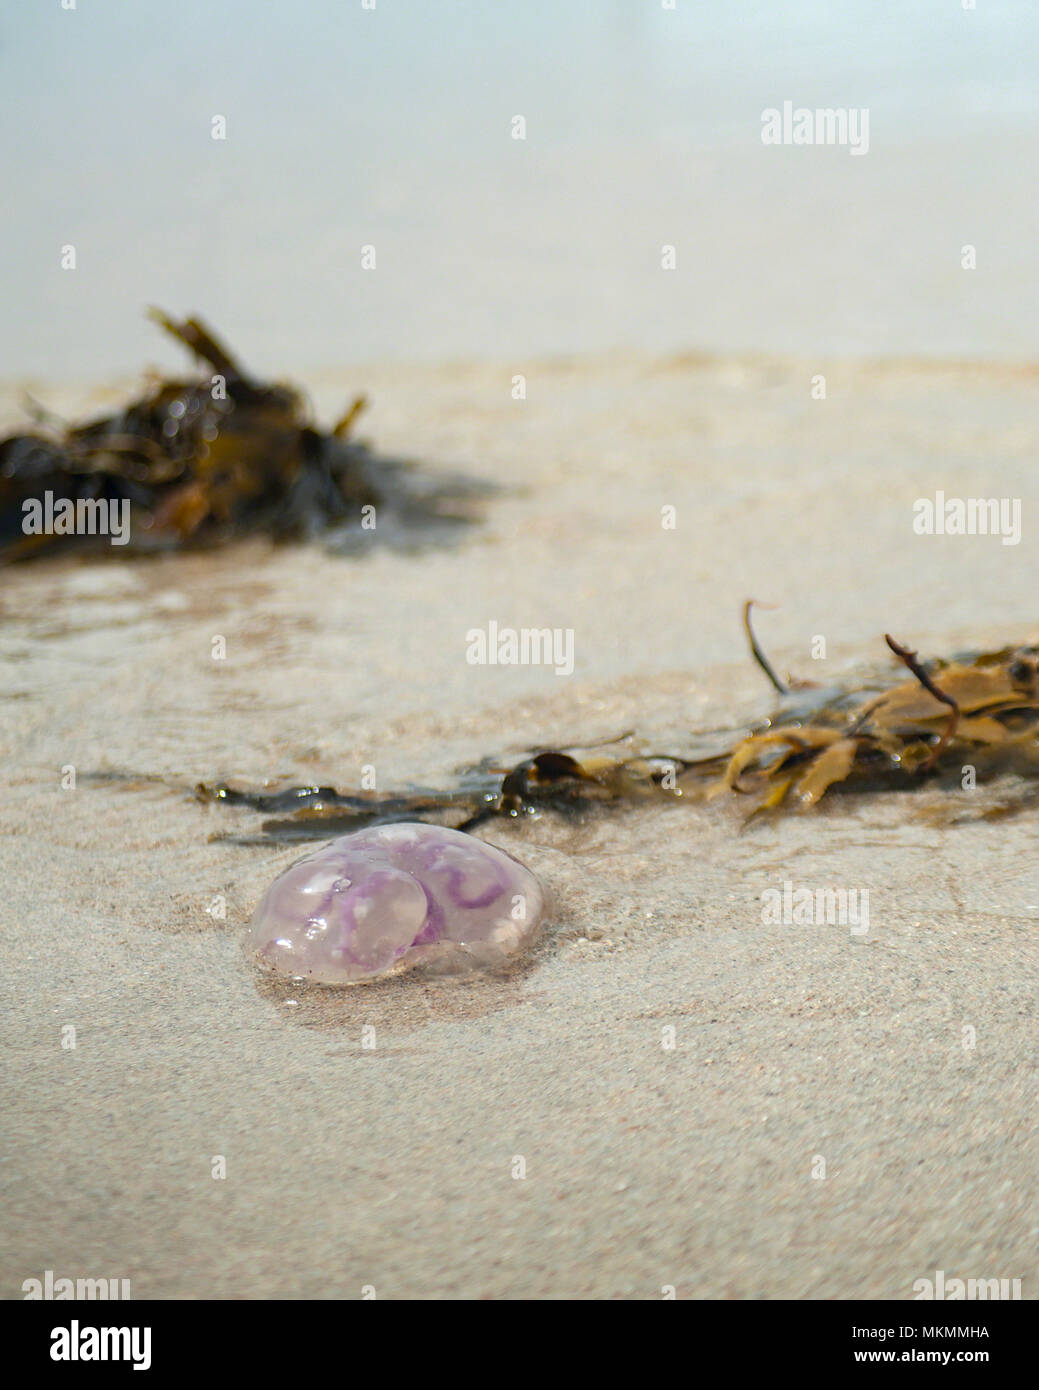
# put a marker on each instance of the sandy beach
(646, 1166)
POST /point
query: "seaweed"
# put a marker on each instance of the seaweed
(979, 711)
(200, 461)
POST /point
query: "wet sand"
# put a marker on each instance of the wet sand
(646, 1165)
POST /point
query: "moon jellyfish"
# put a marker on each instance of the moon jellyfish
(394, 896)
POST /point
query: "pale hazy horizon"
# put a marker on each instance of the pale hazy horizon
(391, 127)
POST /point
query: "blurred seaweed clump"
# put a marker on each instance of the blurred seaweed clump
(198, 462)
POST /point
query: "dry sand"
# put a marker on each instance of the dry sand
(645, 1167)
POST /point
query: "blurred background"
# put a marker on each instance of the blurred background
(391, 127)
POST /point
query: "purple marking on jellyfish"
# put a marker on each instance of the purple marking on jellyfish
(393, 896)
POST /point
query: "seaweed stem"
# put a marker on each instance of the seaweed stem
(910, 659)
(345, 422)
(198, 340)
(755, 651)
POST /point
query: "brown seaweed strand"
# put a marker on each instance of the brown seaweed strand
(756, 652)
(910, 659)
(197, 338)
